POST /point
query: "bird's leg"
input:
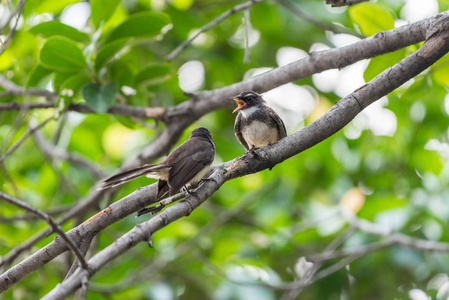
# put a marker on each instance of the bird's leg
(188, 191)
(251, 150)
(260, 156)
(153, 210)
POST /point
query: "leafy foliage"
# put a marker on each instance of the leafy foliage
(254, 228)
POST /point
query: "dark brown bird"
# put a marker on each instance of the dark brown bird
(187, 163)
(256, 125)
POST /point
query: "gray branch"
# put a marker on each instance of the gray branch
(53, 151)
(23, 138)
(157, 113)
(338, 3)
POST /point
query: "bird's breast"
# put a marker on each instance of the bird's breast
(200, 174)
(258, 134)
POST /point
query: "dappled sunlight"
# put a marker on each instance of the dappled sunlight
(239, 40)
(415, 10)
(76, 15)
(376, 118)
(286, 55)
(191, 76)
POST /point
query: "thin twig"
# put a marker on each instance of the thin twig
(30, 217)
(306, 279)
(338, 3)
(44, 216)
(157, 113)
(17, 12)
(153, 210)
(53, 151)
(9, 178)
(206, 27)
(9, 258)
(23, 138)
(395, 237)
(333, 28)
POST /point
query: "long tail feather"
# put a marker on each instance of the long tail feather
(129, 175)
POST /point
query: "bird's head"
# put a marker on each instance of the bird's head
(201, 132)
(247, 99)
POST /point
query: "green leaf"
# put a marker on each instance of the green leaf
(51, 28)
(59, 79)
(39, 7)
(378, 204)
(102, 10)
(142, 25)
(126, 121)
(121, 73)
(37, 73)
(108, 51)
(379, 64)
(182, 4)
(62, 54)
(99, 98)
(75, 82)
(371, 18)
(152, 75)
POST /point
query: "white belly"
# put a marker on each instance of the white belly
(200, 174)
(258, 135)
(159, 174)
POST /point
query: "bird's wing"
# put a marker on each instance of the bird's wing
(280, 124)
(188, 165)
(238, 131)
(129, 175)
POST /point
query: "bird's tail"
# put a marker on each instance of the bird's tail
(125, 176)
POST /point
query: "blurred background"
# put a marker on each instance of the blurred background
(389, 165)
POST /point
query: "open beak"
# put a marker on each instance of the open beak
(240, 103)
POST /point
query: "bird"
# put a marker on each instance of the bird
(186, 164)
(256, 125)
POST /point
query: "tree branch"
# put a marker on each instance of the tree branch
(55, 152)
(157, 113)
(17, 12)
(23, 138)
(338, 3)
(30, 217)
